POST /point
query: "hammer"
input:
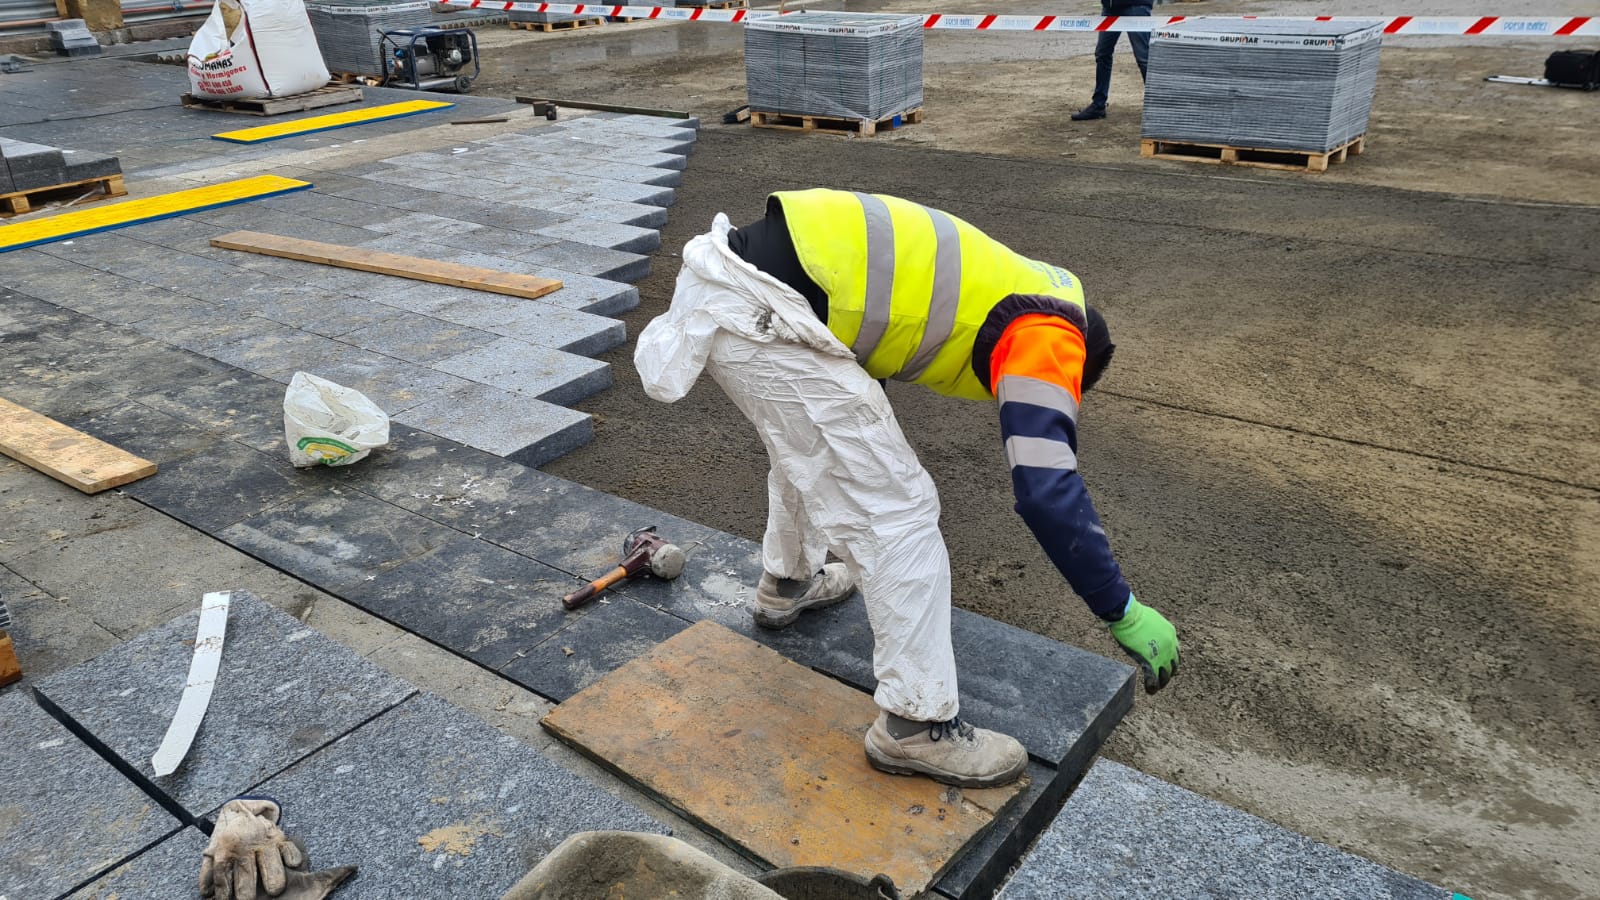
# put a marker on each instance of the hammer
(642, 551)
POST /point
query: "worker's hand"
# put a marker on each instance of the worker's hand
(1150, 639)
(246, 846)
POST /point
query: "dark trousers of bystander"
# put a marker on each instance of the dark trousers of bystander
(1108, 42)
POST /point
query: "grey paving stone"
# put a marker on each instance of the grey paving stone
(613, 633)
(314, 309)
(596, 209)
(238, 405)
(1126, 834)
(537, 372)
(587, 256)
(537, 322)
(82, 165)
(283, 691)
(481, 601)
(557, 144)
(518, 428)
(605, 234)
(669, 129)
(418, 338)
(603, 141)
(220, 482)
(155, 873)
(431, 802)
(337, 538)
(68, 814)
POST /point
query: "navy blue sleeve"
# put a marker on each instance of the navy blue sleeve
(1055, 504)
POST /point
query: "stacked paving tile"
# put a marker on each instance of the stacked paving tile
(26, 166)
(1290, 85)
(350, 32)
(581, 201)
(844, 65)
(426, 799)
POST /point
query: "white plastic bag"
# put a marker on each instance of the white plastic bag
(326, 424)
(253, 49)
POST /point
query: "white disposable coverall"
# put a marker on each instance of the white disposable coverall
(843, 477)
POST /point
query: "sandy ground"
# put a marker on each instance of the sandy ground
(1350, 443)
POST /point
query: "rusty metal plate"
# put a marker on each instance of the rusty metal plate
(768, 754)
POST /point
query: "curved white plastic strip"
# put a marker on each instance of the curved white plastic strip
(197, 691)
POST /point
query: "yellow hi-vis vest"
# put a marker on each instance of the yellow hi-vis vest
(908, 287)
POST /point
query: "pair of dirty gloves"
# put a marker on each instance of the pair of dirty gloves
(250, 857)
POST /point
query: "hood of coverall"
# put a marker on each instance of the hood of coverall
(717, 290)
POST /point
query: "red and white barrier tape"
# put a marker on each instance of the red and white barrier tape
(1497, 26)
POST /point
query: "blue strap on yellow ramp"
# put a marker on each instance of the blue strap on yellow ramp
(346, 119)
(147, 209)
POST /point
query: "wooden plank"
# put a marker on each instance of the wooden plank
(66, 454)
(131, 212)
(768, 754)
(384, 263)
(10, 669)
(18, 202)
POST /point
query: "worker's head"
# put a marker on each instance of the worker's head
(1098, 348)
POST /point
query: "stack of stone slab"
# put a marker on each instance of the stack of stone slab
(26, 166)
(350, 32)
(520, 15)
(838, 65)
(71, 37)
(1280, 85)
(425, 799)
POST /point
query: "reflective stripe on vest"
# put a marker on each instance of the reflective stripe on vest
(880, 276)
(946, 296)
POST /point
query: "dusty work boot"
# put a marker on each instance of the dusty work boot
(1092, 111)
(780, 601)
(950, 752)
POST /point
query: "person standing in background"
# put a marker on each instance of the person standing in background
(1103, 49)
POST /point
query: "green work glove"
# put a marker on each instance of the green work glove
(1150, 639)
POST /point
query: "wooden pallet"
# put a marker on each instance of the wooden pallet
(338, 78)
(19, 202)
(835, 124)
(327, 95)
(10, 669)
(1256, 157)
(570, 25)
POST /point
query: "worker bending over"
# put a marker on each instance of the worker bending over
(796, 316)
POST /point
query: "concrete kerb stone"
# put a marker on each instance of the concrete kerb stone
(69, 814)
(285, 689)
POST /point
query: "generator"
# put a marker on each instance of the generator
(430, 59)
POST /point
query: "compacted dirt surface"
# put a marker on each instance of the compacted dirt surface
(1350, 443)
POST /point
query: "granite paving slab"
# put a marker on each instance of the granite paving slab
(481, 601)
(519, 428)
(65, 814)
(164, 870)
(282, 692)
(538, 372)
(431, 802)
(613, 632)
(1126, 834)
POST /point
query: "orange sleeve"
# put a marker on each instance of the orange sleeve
(1042, 346)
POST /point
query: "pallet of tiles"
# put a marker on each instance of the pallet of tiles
(858, 67)
(1297, 86)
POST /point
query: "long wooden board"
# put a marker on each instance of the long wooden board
(384, 263)
(769, 754)
(66, 454)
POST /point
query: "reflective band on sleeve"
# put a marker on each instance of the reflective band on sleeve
(1040, 453)
(946, 296)
(880, 277)
(1037, 392)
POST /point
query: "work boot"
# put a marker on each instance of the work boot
(780, 601)
(950, 752)
(1092, 111)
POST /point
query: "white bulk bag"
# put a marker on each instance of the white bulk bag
(253, 49)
